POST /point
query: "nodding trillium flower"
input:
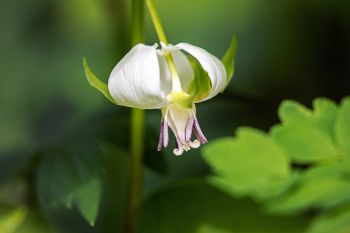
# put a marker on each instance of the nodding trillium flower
(170, 78)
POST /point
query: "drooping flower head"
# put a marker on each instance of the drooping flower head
(173, 79)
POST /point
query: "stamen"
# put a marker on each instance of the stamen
(195, 144)
(186, 147)
(161, 137)
(165, 131)
(183, 123)
(178, 151)
(189, 127)
(198, 132)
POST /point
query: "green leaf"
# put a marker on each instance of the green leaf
(337, 170)
(342, 125)
(307, 135)
(304, 143)
(322, 118)
(324, 193)
(67, 177)
(251, 164)
(95, 82)
(229, 59)
(334, 221)
(325, 112)
(292, 112)
(87, 199)
(197, 207)
(320, 187)
(10, 222)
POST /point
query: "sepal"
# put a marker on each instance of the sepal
(229, 60)
(95, 82)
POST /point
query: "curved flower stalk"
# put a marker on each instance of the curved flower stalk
(146, 78)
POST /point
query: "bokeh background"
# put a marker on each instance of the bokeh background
(292, 49)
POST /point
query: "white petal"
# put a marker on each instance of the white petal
(178, 119)
(183, 66)
(212, 65)
(136, 80)
(164, 74)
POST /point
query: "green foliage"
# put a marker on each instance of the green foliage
(87, 198)
(249, 164)
(73, 176)
(95, 82)
(319, 193)
(304, 143)
(197, 207)
(322, 118)
(229, 59)
(302, 164)
(342, 128)
(306, 135)
(335, 221)
(321, 187)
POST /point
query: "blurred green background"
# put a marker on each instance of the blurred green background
(293, 49)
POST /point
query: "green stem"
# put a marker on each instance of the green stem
(156, 21)
(136, 169)
(137, 132)
(162, 38)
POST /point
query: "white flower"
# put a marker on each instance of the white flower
(149, 78)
